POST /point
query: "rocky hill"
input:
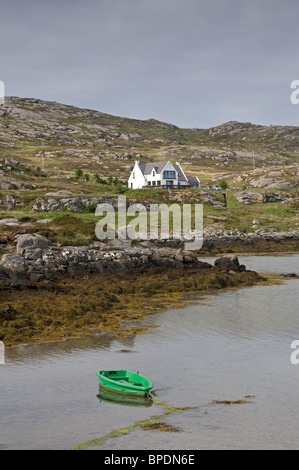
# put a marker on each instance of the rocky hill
(63, 137)
(57, 162)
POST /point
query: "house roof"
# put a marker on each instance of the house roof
(147, 168)
(193, 179)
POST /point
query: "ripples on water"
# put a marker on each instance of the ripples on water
(227, 346)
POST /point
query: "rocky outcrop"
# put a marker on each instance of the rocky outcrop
(230, 128)
(36, 258)
(73, 204)
(31, 246)
(229, 263)
(267, 182)
(13, 269)
(10, 184)
(263, 240)
(252, 197)
(54, 202)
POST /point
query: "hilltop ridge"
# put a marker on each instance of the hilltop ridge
(29, 126)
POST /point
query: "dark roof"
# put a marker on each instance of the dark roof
(193, 180)
(147, 168)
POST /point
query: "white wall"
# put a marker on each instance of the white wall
(136, 179)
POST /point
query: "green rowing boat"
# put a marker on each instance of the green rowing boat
(124, 382)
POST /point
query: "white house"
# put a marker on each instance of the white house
(160, 174)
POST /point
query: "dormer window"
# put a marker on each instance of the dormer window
(154, 173)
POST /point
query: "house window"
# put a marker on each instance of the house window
(133, 175)
(169, 175)
(154, 173)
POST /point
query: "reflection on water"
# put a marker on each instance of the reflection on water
(38, 352)
(105, 396)
(225, 347)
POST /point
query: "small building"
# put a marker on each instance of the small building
(161, 175)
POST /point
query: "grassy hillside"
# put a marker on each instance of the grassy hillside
(70, 136)
(44, 144)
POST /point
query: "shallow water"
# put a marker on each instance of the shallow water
(225, 347)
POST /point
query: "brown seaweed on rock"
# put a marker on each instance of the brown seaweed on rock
(51, 310)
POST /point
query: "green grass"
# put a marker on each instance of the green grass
(70, 228)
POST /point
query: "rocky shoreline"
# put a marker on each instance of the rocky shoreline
(51, 292)
(264, 240)
(80, 303)
(33, 257)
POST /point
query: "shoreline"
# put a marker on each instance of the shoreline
(70, 307)
(182, 299)
(33, 257)
(51, 292)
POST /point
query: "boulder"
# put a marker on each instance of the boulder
(31, 242)
(33, 254)
(10, 221)
(10, 184)
(61, 193)
(252, 197)
(13, 265)
(10, 202)
(179, 255)
(249, 197)
(11, 162)
(49, 204)
(228, 263)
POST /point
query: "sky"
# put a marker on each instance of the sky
(192, 63)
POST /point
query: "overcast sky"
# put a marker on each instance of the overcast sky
(193, 63)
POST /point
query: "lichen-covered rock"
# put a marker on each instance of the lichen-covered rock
(31, 242)
(228, 263)
(14, 267)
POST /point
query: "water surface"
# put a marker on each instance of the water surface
(225, 347)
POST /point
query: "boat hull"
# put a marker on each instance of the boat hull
(124, 382)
